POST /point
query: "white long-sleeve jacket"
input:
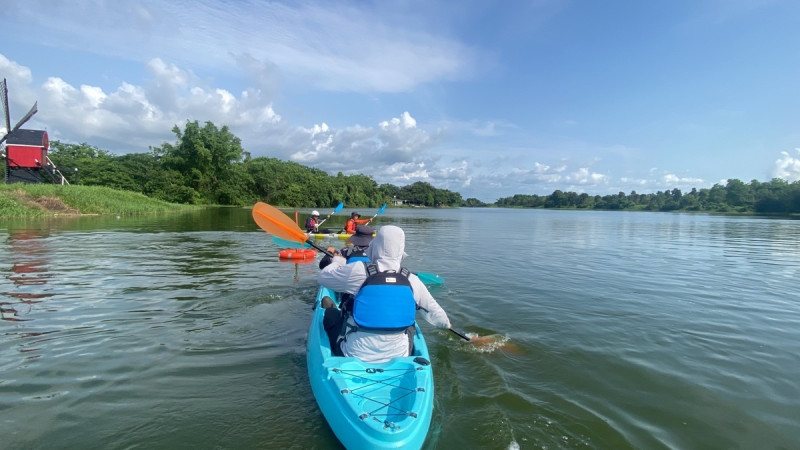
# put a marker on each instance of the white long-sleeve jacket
(386, 251)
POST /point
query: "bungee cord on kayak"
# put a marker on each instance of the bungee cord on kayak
(376, 388)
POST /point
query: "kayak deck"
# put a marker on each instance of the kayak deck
(371, 405)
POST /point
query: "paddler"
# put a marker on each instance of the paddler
(380, 324)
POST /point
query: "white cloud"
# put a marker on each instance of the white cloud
(788, 167)
(20, 96)
(328, 46)
(394, 151)
(541, 178)
(398, 150)
(583, 176)
(131, 118)
(673, 180)
(14, 73)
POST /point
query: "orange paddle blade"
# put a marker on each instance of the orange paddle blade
(275, 222)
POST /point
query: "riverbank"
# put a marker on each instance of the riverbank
(40, 200)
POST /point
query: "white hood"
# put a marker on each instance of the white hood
(387, 249)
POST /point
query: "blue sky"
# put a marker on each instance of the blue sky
(488, 99)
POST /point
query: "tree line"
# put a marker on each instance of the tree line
(207, 165)
(777, 196)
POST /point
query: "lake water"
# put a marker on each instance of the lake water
(613, 330)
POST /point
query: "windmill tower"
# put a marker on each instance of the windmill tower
(25, 151)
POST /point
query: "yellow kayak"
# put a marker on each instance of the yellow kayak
(329, 235)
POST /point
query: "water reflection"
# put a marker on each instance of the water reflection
(29, 267)
(187, 330)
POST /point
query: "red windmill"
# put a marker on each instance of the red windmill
(25, 151)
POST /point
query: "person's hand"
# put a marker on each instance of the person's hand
(332, 250)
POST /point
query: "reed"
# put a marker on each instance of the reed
(37, 200)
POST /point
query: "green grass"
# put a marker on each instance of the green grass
(39, 200)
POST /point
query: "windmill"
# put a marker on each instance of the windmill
(9, 130)
(25, 151)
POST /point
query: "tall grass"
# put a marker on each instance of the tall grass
(36, 200)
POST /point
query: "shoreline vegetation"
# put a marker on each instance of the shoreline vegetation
(208, 166)
(41, 200)
(21, 200)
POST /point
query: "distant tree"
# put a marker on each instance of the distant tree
(585, 201)
(96, 167)
(205, 157)
(473, 203)
(556, 200)
(738, 195)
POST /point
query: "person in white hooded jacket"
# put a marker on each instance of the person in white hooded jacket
(386, 251)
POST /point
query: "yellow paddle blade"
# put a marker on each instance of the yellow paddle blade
(275, 222)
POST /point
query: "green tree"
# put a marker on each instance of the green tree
(738, 195)
(556, 200)
(205, 156)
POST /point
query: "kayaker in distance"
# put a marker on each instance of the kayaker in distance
(353, 222)
(312, 222)
(356, 249)
(380, 325)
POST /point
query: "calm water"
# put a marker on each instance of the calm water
(614, 331)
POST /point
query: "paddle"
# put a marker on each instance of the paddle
(487, 341)
(287, 244)
(429, 278)
(275, 222)
(335, 210)
(383, 208)
(460, 334)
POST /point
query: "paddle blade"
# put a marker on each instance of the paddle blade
(288, 244)
(275, 222)
(335, 210)
(376, 214)
(430, 278)
(488, 344)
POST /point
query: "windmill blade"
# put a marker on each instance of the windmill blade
(27, 117)
(4, 98)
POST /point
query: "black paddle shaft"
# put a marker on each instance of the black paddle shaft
(459, 334)
(310, 241)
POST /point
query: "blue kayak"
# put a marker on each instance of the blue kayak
(370, 405)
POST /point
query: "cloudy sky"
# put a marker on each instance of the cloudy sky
(488, 99)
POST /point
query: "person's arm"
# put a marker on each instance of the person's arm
(428, 306)
(326, 260)
(342, 277)
(362, 221)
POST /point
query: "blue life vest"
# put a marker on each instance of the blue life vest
(385, 300)
(356, 256)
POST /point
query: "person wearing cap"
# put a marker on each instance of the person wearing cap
(379, 325)
(356, 249)
(353, 222)
(312, 222)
